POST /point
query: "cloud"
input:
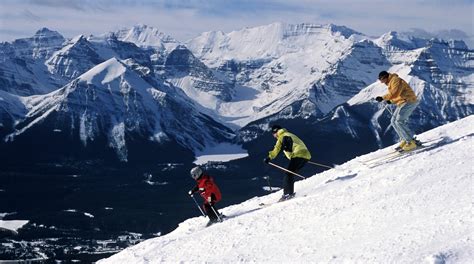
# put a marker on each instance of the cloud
(85, 5)
(30, 16)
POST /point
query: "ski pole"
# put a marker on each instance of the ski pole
(321, 165)
(283, 169)
(192, 196)
(388, 108)
(268, 180)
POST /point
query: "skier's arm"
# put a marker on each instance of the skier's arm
(194, 189)
(208, 189)
(394, 88)
(276, 149)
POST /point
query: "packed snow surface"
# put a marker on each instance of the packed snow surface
(416, 209)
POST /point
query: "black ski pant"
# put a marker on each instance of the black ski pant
(210, 209)
(289, 181)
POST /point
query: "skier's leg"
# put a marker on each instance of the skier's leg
(405, 112)
(300, 162)
(394, 122)
(205, 208)
(295, 165)
(209, 212)
(288, 183)
(213, 206)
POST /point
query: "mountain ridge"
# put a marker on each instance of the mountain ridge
(298, 72)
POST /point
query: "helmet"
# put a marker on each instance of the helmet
(275, 128)
(196, 172)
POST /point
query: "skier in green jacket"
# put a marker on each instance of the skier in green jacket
(295, 150)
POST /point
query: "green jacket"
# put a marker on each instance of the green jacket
(299, 149)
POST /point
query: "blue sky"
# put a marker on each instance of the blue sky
(185, 19)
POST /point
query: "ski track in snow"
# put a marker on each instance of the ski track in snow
(417, 209)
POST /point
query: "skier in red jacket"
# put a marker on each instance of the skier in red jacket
(209, 192)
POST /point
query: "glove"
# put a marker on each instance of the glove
(209, 199)
(379, 99)
(266, 160)
(389, 102)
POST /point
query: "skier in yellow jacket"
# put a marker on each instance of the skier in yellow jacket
(401, 94)
(295, 150)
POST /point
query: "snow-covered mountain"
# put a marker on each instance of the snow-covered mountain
(301, 75)
(75, 58)
(442, 75)
(184, 70)
(39, 46)
(76, 109)
(286, 71)
(148, 37)
(292, 70)
(22, 69)
(113, 104)
(415, 209)
(441, 72)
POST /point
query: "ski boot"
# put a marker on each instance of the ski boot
(400, 147)
(212, 221)
(409, 146)
(286, 197)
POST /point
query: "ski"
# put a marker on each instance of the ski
(381, 157)
(268, 204)
(389, 159)
(396, 153)
(277, 202)
(396, 157)
(404, 154)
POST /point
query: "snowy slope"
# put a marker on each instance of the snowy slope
(417, 209)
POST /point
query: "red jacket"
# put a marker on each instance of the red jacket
(210, 188)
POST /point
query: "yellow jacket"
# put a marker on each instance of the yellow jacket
(299, 148)
(399, 91)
